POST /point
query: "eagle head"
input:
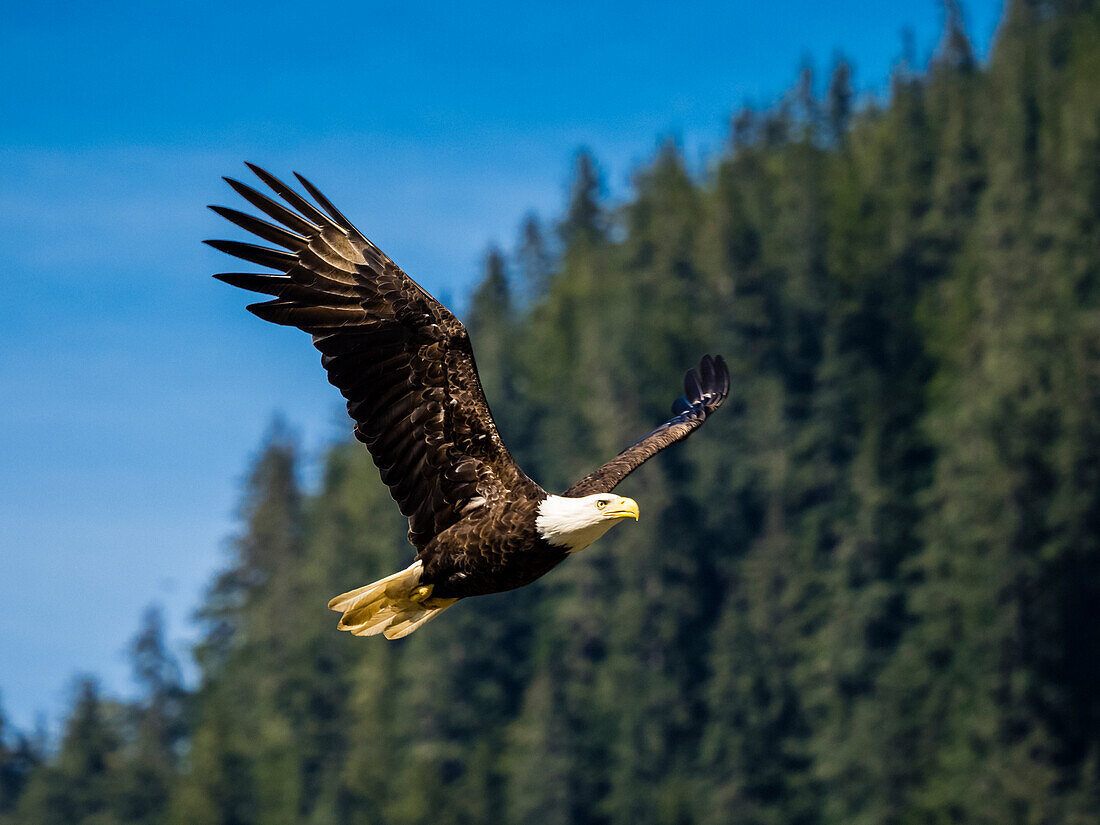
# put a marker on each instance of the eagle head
(574, 523)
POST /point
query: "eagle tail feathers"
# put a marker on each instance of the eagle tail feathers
(394, 606)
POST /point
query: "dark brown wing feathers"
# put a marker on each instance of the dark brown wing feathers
(704, 392)
(399, 357)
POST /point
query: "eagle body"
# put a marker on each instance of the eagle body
(491, 550)
(405, 365)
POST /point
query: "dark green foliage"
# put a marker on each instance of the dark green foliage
(116, 763)
(18, 758)
(535, 260)
(584, 219)
(839, 101)
(866, 592)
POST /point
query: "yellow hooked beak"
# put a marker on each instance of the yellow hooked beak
(626, 508)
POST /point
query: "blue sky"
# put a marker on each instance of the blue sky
(136, 388)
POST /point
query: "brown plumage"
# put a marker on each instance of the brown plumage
(405, 366)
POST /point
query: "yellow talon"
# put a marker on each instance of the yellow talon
(421, 593)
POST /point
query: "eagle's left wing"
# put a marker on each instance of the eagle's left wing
(704, 392)
(400, 358)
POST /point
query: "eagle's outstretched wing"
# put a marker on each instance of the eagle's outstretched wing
(704, 392)
(400, 358)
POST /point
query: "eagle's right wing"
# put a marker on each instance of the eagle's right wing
(400, 358)
(704, 392)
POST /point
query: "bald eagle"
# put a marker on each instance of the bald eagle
(406, 367)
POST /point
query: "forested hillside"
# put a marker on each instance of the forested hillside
(867, 591)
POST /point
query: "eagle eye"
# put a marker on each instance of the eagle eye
(602, 503)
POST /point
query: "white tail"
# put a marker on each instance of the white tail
(394, 606)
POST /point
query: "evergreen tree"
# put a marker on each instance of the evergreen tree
(79, 785)
(158, 727)
(584, 221)
(17, 760)
(955, 50)
(257, 703)
(839, 101)
(490, 321)
(534, 260)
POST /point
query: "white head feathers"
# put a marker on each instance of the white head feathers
(574, 523)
